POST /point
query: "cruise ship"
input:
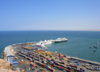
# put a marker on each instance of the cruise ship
(42, 44)
(58, 40)
(46, 42)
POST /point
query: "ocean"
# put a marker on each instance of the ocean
(78, 42)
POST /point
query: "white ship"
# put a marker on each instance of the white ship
(46, 42)
(43, 43)
(58, 40)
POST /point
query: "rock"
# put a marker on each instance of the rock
(6, 66)
(6, 70)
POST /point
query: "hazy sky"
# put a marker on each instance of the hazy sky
(49, 15)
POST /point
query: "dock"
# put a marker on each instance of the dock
(86, 61)
(29, 59)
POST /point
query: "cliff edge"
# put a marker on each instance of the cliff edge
(6, 66)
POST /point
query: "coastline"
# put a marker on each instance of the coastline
(77, 58)
(72, 58)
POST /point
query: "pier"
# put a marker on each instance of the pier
(86, 61)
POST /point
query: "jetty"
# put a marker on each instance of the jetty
(86, 61)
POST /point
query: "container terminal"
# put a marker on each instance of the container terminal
(29, 57)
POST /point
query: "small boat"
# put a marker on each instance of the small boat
(95, 47)
(97, 43)
(94, 50)
(92, 53)
(58, 40)
(90, 47)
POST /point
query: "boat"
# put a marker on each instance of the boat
(39, 45)
(58, 40)
(42, 44)
(92, 53)
(95, 47)
(97, 43)
(94, 50)
(90, 47)
(45, 42)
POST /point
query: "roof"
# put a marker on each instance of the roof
(10, 59)
(9, 52)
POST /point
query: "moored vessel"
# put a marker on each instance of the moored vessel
(58, 40)
(46, 42)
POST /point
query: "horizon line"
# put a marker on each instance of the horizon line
(49, 30)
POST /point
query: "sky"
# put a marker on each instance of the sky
(49, 15)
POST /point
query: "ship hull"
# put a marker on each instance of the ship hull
(60, 41)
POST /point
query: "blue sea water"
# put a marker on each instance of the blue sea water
(78, 41)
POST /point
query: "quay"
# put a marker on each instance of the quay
(27, 58)
(86, 61)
